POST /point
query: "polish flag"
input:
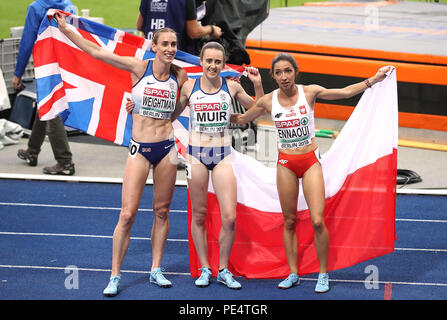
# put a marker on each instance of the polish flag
(360, 183)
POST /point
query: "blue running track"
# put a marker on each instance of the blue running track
(56, 244)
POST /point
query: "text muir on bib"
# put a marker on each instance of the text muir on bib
(211, 117)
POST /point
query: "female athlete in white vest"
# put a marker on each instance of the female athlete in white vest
(155, 88)
(209, 149)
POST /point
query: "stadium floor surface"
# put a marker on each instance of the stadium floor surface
(50, 229)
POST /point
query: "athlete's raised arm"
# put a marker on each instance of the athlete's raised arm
(239, 93)
(348, 91)
(135, 66)
(262, 105)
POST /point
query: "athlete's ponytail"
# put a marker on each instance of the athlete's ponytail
(175, 69)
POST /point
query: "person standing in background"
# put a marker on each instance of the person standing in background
(54, 128)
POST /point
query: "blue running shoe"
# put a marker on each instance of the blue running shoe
(158, 278)
(204, 279)
(113, 287)
(226, 277)
(289, 282)
(322, 283)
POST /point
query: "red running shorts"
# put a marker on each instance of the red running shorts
(299, 163)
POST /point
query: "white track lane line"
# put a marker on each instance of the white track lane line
(21, 204)
(149, 210)
(188, 274)
(86, 269)
(149, 239)
(78, 235)
(178, 183)
(172, 210)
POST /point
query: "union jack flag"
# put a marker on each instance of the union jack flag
(90, 94)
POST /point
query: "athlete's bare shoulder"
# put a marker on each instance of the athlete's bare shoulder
(265, 101)
(312, 88)
(311, 92)
(182, 76)
(187, 87)
(233, 85)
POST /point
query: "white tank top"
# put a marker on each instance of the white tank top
(210, 112)
(155, 98)
(294, 125)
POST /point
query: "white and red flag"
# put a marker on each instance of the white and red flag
(360, 182)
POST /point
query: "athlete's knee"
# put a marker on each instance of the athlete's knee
(290, 221)
(318, 223)
(161, 211)
(127, 217)
(199, 216)
(229, 221)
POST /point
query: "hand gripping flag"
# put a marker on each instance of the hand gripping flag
(88, 93)
(360, 184)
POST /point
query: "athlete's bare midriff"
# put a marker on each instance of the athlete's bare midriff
(302, 150)
(210, 139)
(146, 129)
